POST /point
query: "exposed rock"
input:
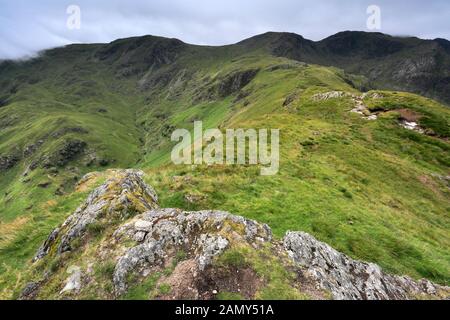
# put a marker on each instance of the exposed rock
(45, 248)
(445, 179)
(66, 153)
(70, 150)
(86, 181)
(362, 109)
(372, 95)
(120, 197)
(60, 191)
(8, 161)
(32, 148)
(73, 283)
(143, 240)
(234, 82)
(44, 184)
(90, 158)
(331, 95)
(63, 131)
(411, 68)
(348, 279)
(290, 99)
(204, 234)
(193, 198)
(104, 162)
(242, 95)
(30, 291)
(211, 247)
(411, 125)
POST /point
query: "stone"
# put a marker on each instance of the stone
(45, 248)
(44, 184)
(143, 239)
(158, 230)
(234, 82)
(411, 125)
(30, 291)
(349, 279)
(211, 246)
(67, 152)
(123, 195)
(73, 283)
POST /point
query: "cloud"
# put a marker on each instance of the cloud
(29, 26)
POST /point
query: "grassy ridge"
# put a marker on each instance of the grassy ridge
(371, 189)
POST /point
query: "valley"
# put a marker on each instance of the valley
(372, 183)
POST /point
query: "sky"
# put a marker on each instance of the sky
(29, 26)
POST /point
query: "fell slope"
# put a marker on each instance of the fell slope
(371, 188)
(393, 63)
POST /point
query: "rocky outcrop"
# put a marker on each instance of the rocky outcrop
(73, 283)
(63, 131)
(204, 235)
(236, 81)
(348, 279)
(137, 240)
(331, 95)
(226, 85)
(120, 197)
(67, 152)
(8, 161)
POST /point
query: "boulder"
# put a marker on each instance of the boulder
(349, 279)
(122, 196)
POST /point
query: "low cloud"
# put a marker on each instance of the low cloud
(27, 27)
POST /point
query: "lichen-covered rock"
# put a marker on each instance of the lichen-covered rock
(234, 82)
(138, 241)
(30, 291)
(120, 197)
(203, 235)
(73, 283)
(348, 279)
(331, 95)
(8, 161)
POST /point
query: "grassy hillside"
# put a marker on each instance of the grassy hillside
(372, 189)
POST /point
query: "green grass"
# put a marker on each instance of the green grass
(369, 189)
(142, 291)
(354, 184)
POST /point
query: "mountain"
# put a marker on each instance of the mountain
(393, 63)
(365, 171)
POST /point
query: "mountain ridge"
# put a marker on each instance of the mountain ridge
(354, 164)
(389, 62)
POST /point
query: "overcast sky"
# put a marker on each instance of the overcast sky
(27, 26)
